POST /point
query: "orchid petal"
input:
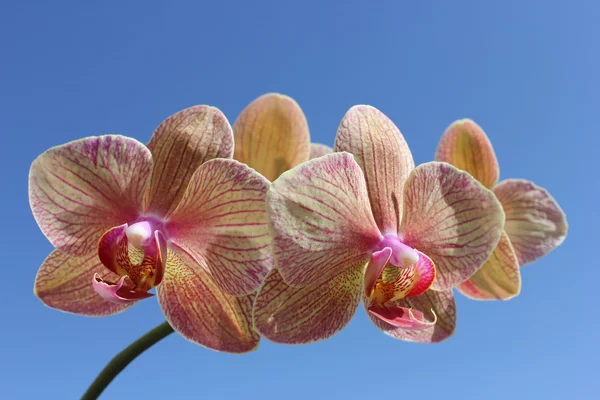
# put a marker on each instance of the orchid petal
(498, 279)
(200, 311)
(221, 221)
(80, 189)
(64, 282)
(294, 315)
(466, 146)
(318, 150)
(382, 153)
(535, 223)
(433, 305)
(271, 135)
(116, 292)
(453, 219)
(321, 219)
(179, 145)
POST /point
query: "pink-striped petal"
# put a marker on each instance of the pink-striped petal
(200, 311)
(535, 223)
(498, 279)
(298, 315)
(453, 219)
(117, 292)
(321, 219)
(318, 150)
(271, 135)
(179, 145)
(80, 189)
(466, 146)
(382, 153)
(222, 222)
(432, 306)
(64, 282)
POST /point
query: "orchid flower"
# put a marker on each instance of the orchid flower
(271, 136)
(179, 215)
(364, 223)
(535, 224)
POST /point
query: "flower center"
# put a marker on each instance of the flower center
(402, 255)
(137, 253)
(396, 271)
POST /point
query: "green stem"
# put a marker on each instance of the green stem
(121, 360)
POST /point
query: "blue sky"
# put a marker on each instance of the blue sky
(527, 71)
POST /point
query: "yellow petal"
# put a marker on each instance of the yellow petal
(499, 278)
(271, 135)
(466, 146)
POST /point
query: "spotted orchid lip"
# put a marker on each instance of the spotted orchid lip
(143, 265)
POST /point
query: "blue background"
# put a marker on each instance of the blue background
(527, 71)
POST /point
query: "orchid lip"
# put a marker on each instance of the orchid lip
(138, 252)
(117, 292)
(403, 317)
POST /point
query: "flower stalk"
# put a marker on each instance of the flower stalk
(124, 358)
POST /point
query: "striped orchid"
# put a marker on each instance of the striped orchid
(364, 223)
(272, 136)
(535, 224)
(178, 215)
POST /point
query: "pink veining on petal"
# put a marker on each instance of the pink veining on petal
(384, 158)
(80, 189)
(117, 292)
(321, 219)
(451, 218)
